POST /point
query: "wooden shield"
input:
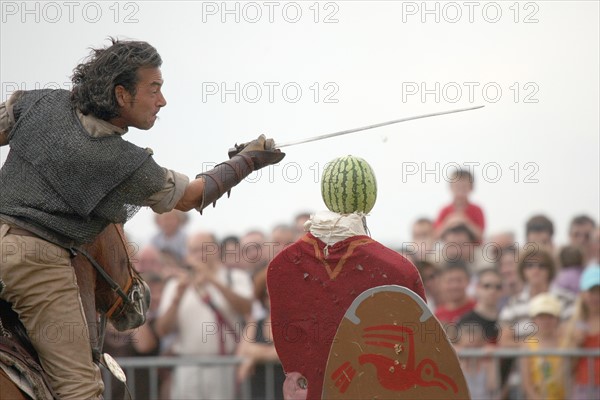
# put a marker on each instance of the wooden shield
(390, 346)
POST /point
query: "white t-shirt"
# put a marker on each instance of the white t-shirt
(198, 329)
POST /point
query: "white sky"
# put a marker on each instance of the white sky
(373, 59)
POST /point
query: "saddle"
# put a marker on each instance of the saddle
(18, 359)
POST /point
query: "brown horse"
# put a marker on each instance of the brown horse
(110, 289)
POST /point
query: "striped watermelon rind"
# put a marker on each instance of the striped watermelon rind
(348, 185)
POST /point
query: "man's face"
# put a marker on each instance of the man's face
(140, 110)
(253, 251)
(457, 246)
(230, 253)
(536, 272)
(591, 298)
(510, 273)
(454, 285)
(546, 323)
(497, 242)
(280, 238)
(489, 289)
(422, 232)
(148, 260)
(542, 238)
(581, 235)
(202, 252)
(168, 222)
(461, 189)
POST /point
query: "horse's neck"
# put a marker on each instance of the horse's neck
(109, 252)
(86, 280)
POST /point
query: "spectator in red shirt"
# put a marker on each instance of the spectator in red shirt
(461, 211)
(454, 280)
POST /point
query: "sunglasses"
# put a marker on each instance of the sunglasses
(491, 285)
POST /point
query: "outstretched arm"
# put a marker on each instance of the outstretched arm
(192, 195)
(209, 186)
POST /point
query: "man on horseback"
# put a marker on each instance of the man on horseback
(68, 175)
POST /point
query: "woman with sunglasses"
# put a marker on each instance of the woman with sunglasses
(537, 270)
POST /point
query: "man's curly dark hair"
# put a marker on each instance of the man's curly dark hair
(94, 81)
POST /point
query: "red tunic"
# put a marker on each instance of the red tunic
(310, 293)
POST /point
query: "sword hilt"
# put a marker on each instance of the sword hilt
(236, 149)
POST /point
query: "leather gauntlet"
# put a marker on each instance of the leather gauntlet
(223, 177)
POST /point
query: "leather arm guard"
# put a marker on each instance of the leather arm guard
(223, 177)
(226, 175)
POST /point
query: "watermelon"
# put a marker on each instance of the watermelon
(348, 185)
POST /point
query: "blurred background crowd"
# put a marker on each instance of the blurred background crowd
(209, 298)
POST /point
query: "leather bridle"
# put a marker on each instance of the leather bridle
(124, 297)
(129, 297)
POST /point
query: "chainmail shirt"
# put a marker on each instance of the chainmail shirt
(69, 185)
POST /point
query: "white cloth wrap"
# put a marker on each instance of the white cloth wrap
(332, 227)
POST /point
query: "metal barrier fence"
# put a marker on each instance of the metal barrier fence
(153, 364)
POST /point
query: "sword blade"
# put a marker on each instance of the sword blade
(364, 128)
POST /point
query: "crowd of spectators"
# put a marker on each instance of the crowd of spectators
(210, 298)
(491, 292)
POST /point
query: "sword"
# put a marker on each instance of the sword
(364, 128)
(238, 148)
